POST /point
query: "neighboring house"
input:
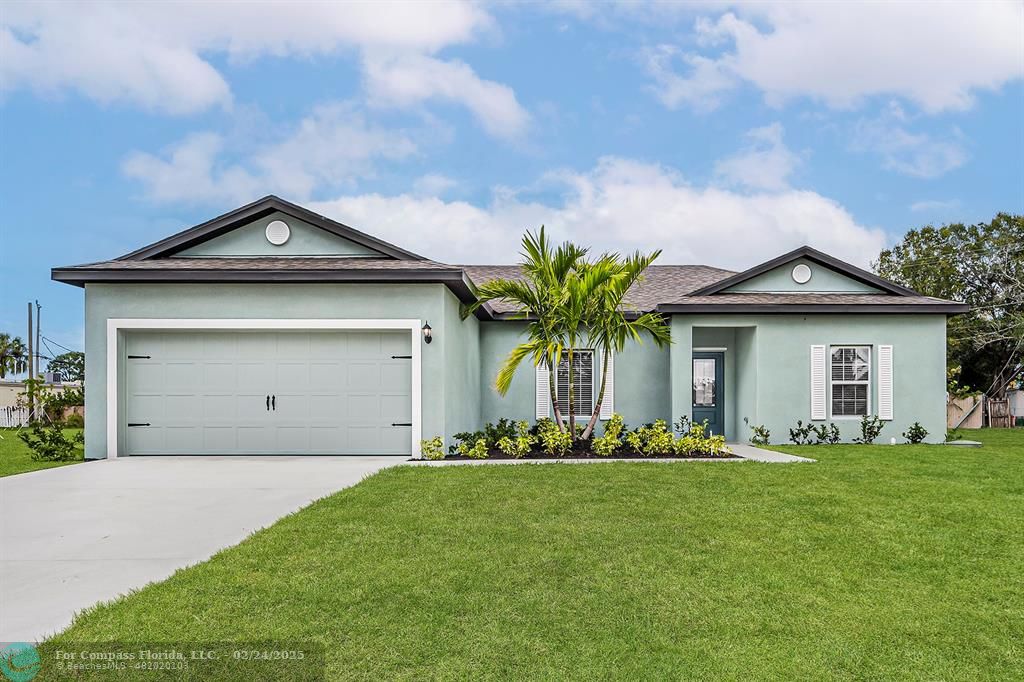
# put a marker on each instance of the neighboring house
(274, 330)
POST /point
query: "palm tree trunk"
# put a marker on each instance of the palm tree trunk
(552, 388)
(600, 398)
(572, 404)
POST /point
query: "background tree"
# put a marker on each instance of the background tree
(981, 265)
(13, 355)
(70, 366)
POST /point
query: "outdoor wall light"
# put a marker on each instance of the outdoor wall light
(427, 337)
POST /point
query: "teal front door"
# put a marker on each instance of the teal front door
(709, 390)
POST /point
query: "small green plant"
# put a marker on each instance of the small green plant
(464, 440)
(476, 450)
(520, 444)
(915, 434)
(611, 441)
(651, 439)
(696, 442)
(870, 427)
(432, 448)
(505, 428)
(552, 440)
(74, 421)
(682, 425)
(801, 435)
(826, 433)
(49, 443)
(760, 434)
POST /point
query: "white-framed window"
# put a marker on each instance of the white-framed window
(583, 383)
(851, 381)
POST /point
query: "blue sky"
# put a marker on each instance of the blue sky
(723, 134)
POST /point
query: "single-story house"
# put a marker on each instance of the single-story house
(274, 330)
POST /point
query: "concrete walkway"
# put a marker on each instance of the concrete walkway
(73, 536)
(761, 455)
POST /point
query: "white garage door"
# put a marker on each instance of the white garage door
(242, 393)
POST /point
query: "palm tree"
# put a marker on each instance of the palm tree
(13, 355)
(538, 297)
(610, 324)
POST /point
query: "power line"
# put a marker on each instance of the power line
(70, 350)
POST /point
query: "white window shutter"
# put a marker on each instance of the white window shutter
(608, 404)
(543, 397)
(885, 383)
(817, 382)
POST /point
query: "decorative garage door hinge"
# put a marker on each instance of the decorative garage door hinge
(401, 357)
(139, 424)
(401, 424)
(139, 357)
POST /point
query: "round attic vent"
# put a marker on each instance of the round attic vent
(801, 274)
(278, 232)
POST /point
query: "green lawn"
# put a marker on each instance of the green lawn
(16, 458)
(875, 563)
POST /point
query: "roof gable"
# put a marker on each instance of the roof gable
(250, 216)
(826, 271)
(823, 280)
(304, 240)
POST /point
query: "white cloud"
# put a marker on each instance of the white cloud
(701, 90)
(434, 184)
(766, 163)
(936, 55)
(405, 79)
(334, 146)
(919, 155)
(619, 204)
(155, 54)
(935, 206)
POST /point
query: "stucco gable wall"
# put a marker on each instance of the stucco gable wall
(305, 240)
(823, 280)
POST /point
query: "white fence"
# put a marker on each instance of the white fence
(13, 416)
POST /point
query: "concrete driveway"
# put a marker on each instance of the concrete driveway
(77, 535)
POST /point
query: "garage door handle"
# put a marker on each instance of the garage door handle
(401, 424)
(146, 424)
(273, 402)
(268, 403)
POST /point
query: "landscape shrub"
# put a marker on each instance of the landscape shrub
(827, 433)
(520, 443)
(473, 449)
(761, 435)
(870, 427)
(915, 434)
(74, 421)
(464, 440)
(552, 440)
(50, 444)
(801, 435)
(432, 448)
(651, 439)
(611, 441)
(505, 428)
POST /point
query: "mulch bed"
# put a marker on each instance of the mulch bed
(540, 456)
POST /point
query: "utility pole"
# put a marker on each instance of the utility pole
(39, 332)
(31, 356)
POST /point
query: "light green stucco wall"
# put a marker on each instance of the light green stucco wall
(305, 240)
(449, 387)
(779, 350)
(641, 379)
(822, 279)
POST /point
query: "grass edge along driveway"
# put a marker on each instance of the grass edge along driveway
(878, 562)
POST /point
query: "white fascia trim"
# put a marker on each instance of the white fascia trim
(117, 325)
(710, 349)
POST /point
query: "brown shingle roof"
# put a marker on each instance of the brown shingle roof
(660, 283)
(267, 263)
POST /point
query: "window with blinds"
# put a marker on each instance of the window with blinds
(851, 375)
(583, 384)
